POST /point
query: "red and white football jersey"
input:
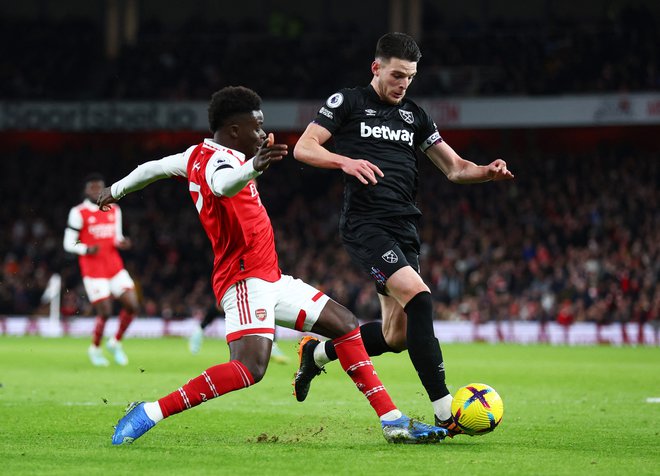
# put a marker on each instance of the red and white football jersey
(98, 228)
(239, 227)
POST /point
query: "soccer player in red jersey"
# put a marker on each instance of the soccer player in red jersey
(246, 278)
(95, 236)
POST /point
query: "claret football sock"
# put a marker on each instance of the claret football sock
(99, 325)
(125, 319)
(356, 363)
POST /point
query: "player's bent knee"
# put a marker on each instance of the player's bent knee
(398, 343)
(335, 321)
(256, 369)
(130, 302)
(346, 321)
(253, 352)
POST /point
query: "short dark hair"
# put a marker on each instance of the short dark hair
(230, 101)
(93, 177)
(397, 45)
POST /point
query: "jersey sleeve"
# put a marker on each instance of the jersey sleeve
(428, 132)
(75, 219)
(226, 176)
(119, 228)
(336, 109)
(74, 224)
(149, 172)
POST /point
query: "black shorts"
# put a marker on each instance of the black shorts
(382, 246)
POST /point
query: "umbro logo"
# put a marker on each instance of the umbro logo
(370, 112)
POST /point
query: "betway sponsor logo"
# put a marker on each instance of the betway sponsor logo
(384, 132)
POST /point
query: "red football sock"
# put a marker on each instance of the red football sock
(125, 319)
(355, 361)
(624, 334)
(99, 325)
(215, 381)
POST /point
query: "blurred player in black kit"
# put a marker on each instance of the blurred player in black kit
(376, 132)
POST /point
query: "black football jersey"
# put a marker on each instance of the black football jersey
(364, 127)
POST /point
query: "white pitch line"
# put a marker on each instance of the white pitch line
(653, 400)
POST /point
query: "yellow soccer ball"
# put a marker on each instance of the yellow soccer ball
(477, 409)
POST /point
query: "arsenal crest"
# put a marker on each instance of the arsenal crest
(260, 314)
(407, 116)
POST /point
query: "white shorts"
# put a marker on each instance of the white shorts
(253, 306)
(98, 289)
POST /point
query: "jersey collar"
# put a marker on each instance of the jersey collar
(210, 143)
(372, 92)
(89, 204)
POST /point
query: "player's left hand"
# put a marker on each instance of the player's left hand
(497, 170)
(269, 152)
(124, 244)
(105, 199)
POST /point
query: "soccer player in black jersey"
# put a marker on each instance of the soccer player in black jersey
(376, 132)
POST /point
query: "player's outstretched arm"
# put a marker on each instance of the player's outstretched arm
(459, 170)
(142, 176)
(309, 149)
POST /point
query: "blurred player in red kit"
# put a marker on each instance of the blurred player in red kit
(246, 279)
(96, 237)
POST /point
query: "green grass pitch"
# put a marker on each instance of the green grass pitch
(567, 410)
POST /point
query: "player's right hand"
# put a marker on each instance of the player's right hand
(105, 199)
(269, 152)
(124, 244)
(92, 249)
(363, 170)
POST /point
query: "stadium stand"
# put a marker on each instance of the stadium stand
(575, 228)
(64, 58)
(575, 238)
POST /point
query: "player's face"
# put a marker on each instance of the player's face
(392, 78)
(250, 133)
(93, 189)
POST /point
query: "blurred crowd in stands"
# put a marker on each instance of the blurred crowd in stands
(575, 237)
(65, 58)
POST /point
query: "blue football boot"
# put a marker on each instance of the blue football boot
(132, 425)
(408, 430)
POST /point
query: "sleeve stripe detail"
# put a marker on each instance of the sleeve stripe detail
(74, 229)
(433, 139)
